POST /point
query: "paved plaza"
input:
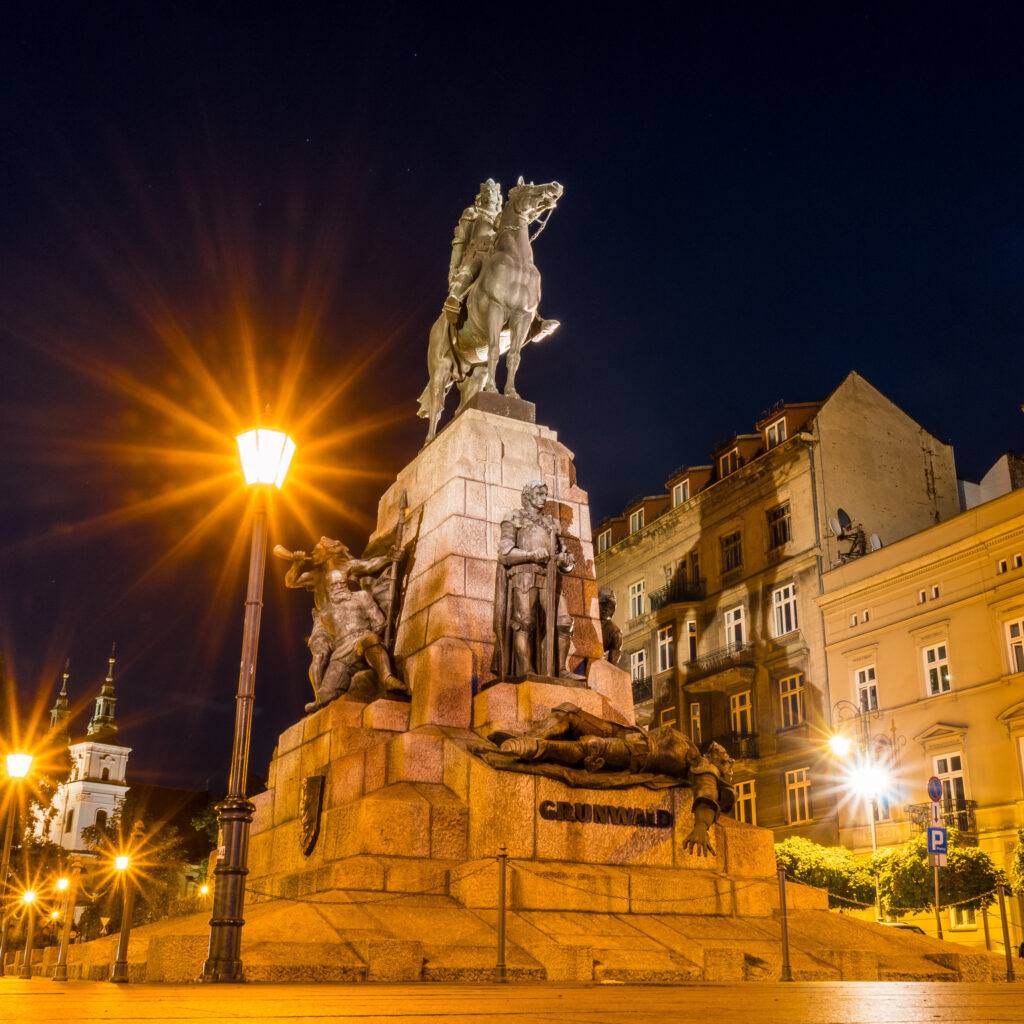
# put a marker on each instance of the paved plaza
(42, 1001)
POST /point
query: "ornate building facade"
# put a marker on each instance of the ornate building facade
(716, 581)
(97, 784)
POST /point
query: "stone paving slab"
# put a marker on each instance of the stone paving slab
(45, 1002)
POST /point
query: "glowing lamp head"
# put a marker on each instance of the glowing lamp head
(54, 914)
(266, 455)
(869, 780)
(28, 897)
(18, 765)
(62, 885)
(122, 862)
(203, 890)
(840, 745)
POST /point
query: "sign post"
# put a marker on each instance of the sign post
(938, 843)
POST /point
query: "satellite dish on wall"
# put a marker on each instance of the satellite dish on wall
(844, 520)
(874, 542)
(833, 525)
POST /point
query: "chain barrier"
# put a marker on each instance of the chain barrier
(911, 910)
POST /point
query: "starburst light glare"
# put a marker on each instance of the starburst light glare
(28, 896)
(18, 765)
(869, 780)
(62, 884)
(122, 862)
(266, 455)
(840, 745)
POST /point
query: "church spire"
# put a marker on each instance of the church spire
(61, 709)
(103, 716)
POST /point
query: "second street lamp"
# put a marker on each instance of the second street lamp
(266, 455)
(18, 766)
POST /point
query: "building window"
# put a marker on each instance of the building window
(798, 796)
(729, 463)
(867, 690)
(734, 625)
(962, 917)
(69, 820)
(853, 619)
(636, 520)
(866, 615)
(636, 599)
(739, 713)
(935, 591)
(105, 774)
(949, 768)
(776, 432)
(680, 493)
(784, 609)
(791, 700)
(1015, 638)
(1001, 566)
(668, 716)
(695, 734)
(691, 639)
(101, 819)
(780, 528)
(666, 648)
(1018, 561)
(922, 596)
(695, 565)
(732, 551)
(604, 540)
(638, 665)
(745, 808)
(936, 663)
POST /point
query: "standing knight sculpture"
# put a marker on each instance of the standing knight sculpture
(529, 608)
(473, 236)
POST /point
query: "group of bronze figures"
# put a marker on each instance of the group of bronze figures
(492, 309)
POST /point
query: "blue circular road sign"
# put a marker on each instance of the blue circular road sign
(934, 788)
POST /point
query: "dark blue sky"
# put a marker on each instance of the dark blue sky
(758, 198)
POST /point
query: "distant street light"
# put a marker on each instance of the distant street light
(266, 456)
(28, 898)
(119, 969)
(18, 766)
(68, 886)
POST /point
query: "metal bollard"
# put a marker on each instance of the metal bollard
(1006, 932)
(787, 971)
(499, 969)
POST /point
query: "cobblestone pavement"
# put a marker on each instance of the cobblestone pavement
(41, 1001)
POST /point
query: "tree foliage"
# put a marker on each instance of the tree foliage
(1016, 868)
(833, 868)
(907, 880)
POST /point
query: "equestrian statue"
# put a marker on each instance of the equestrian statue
(494, 293)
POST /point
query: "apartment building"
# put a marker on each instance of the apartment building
(716, 581)
(925, 640)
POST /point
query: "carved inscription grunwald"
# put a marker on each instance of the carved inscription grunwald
(602, 814)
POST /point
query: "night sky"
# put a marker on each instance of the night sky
(209, 210)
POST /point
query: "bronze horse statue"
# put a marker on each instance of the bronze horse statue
(500, 313)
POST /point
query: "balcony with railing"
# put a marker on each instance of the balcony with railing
(958, 814)
(728, 657)
(643, 689)
(678, 591)
(740, 746)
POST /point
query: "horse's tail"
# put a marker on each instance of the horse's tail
(439, 367)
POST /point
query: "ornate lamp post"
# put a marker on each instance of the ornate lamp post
(119, 968)
(68, 886)
(28, 899)
(266, 456)
(18, 766)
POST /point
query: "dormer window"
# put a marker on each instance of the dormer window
(604, 540)
(680, 493)
(636, 520)
(775, 433)
(729, 462)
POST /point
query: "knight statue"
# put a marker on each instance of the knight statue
(473, 236)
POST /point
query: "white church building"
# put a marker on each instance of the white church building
(97, 784)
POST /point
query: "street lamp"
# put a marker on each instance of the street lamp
(68, 886)
(18, 766)
(266, 456)
(119, 969)
(28, 898)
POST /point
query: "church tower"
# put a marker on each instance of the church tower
(97, 784)
(61, 710)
